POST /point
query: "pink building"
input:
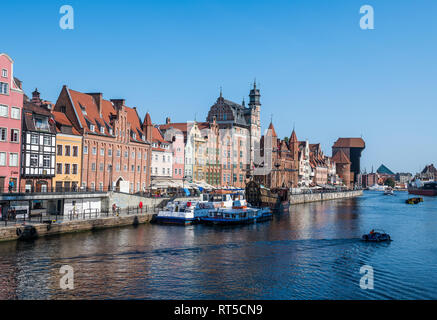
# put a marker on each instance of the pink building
(11, 105)
(176, 137)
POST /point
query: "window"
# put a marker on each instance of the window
(101, 166)
(67, 151)
(15, 135)
(59, 168)
(75, 151)
(101, 186)
(126, 154)
(34, 160)
(85, 150)
(102, 130)
(3, 134)
(118, 153)
(4, 88)
(13, 159)
(59, 150)
(163, 170)
(67, 168)
(34, 139)
(4, 73)
(145, 169)
(175, 171)
(2, 158)
(117, 167)
(133, 155)
(94, 150)
(102, 151)
(132, 168)
(125, 167)
(93, 186)
(93, 166)
(46, 161)
(46, 140)
(4, 111)
(15, 113)
(138, 168)
(92, 128)
(139, 155)
(110, 152)
(41, 123)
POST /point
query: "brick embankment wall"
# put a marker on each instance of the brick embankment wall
(42, 229)
(313, 197)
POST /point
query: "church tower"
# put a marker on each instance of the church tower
(255, 121)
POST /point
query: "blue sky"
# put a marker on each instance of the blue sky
(315, 66)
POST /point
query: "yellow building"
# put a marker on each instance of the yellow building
(68, 155)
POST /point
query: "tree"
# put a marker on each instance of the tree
(389, 182)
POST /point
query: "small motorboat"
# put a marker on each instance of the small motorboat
(414, 200)
(389, 192)
(376, 236)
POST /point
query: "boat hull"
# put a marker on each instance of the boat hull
(177, 220)
(423, 192)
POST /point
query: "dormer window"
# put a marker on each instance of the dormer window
(102, 130)
(41, 123)
(134, 135)
(4, 73)
(82, 108)
(92, 127)
(110, 131)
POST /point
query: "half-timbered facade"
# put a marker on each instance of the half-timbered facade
(38, 156)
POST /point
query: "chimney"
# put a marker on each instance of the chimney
(167, 120)
(36, 97)
(118, 103)
(98, 97)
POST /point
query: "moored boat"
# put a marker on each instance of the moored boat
(389, 192)
(183, 212)
(428, 189)
(259, 196)
(238, 214)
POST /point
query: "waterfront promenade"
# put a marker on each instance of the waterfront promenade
(95, 219)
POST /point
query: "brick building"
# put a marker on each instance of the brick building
(116, 145)
(281, 161)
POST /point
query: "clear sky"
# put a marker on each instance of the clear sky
(315, 66)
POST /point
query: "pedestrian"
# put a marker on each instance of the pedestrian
(11, 185)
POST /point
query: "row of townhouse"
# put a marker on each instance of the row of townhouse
(84, 141)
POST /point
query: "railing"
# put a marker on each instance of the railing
(317, 191)
(77, 215)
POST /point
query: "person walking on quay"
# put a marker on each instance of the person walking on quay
(11, 185)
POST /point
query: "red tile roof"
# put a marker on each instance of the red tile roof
(340, 157)
(272, 128)
(82, 101)
(62, 119)
(349, 143)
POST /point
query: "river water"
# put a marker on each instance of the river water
(314, 252)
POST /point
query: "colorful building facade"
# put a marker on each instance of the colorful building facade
(68, 155)
(116, 154)
(11, 105)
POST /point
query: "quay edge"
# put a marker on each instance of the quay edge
(10, 233)
(314, 197)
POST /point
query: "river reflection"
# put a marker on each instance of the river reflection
(314, 252)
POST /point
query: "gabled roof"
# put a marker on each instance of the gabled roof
(83, 102)
(384, 170)
(341, 157)
(293, 137)
(272, 128)
(62, 119)
(349, 143)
